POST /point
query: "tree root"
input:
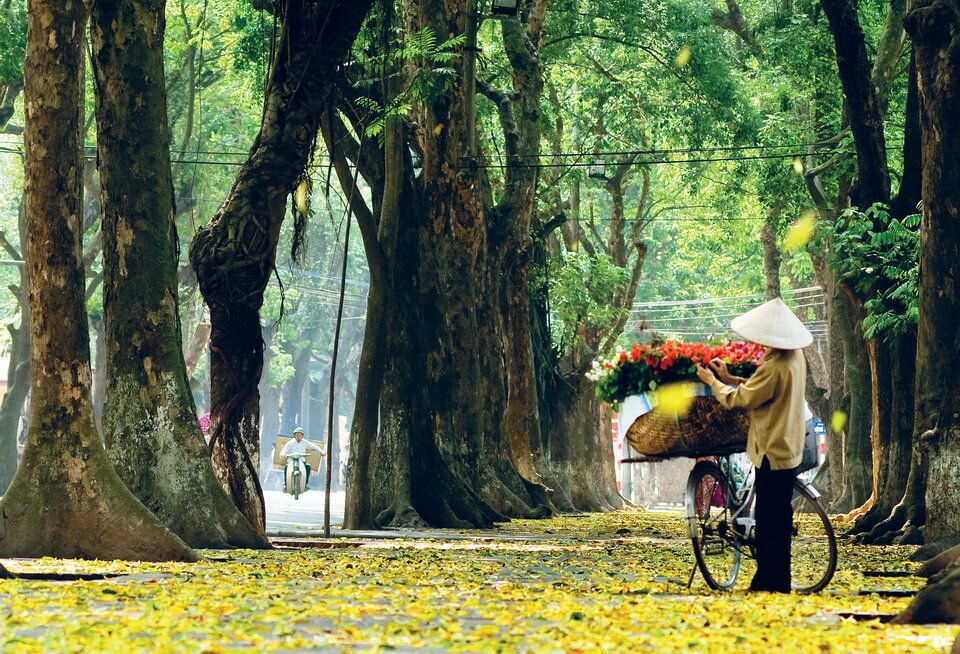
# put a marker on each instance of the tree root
(940, 562)
(933, 549)
(877, 524)
(911, 535)
(403, 517)
(859, 512)
(937, 603)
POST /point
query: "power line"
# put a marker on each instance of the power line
(658, 151)
(647, 162)
(786, 294)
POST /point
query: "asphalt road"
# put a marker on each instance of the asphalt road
(286, 513)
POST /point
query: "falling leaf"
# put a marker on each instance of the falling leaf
(683, 56)
(799, 233)
(301, 197)
(438, 129)
(798, 165)
(838, 421)
(675, 399)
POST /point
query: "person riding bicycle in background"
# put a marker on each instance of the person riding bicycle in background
(774, 394)
(299, 445)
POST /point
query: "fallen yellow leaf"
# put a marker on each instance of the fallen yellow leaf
(675, 399)
(799, 233)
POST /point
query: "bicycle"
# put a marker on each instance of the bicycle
(720, 517)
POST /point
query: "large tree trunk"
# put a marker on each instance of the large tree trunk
(935, 29)
(234, 254)
(66, 500)
(862, 104)
(580, 448)
(893, 427)
(149, 417)
(441, 455)
(907, 515)
(937, 46)
(857, 462)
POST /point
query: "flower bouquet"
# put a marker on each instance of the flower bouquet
(684, 421)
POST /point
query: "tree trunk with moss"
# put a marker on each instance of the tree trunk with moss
(66, 499)
(234, 254)
(149, 418)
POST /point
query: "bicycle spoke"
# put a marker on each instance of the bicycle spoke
(715, 544)
(813, 548)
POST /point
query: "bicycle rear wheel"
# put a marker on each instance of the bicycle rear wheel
(813, 545)
(716, 545)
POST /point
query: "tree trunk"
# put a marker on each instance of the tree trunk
(234, 254)
(830, 398)
(580, 448)
(862, 104)
(18, 375)
(857, 462)
(935, 28)
(772, 258)
(149, 419)
(893, 427)
(66, 500)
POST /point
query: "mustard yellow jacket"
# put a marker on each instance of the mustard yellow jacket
(774, 395)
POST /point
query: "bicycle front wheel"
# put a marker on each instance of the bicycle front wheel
(813, 545)
(716, 545)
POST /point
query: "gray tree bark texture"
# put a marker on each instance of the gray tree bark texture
(149, 419)
(66, 500)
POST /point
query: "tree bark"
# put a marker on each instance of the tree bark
(772, 259)
(18, 370)
(862, 104)
(234, 254)
(18, 374)
(894, 426)
(857, 461)
(150, 421)
(66, 500)
(935, 28)
(443, 454)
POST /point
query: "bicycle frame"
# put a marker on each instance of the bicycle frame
(732, 528)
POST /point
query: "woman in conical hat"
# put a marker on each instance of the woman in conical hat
(774, 395)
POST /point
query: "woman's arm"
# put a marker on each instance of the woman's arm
(751, 393)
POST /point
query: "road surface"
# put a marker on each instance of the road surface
(285, 513)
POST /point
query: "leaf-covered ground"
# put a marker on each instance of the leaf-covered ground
(596, 583)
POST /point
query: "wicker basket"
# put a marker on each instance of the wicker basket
(707, 428)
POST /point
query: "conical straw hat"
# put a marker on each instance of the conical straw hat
(773, 324)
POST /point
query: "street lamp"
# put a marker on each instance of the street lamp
(505, 7)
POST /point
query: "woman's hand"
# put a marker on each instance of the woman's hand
(705, 374)
(719, 367)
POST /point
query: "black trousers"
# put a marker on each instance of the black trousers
(774, 515)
